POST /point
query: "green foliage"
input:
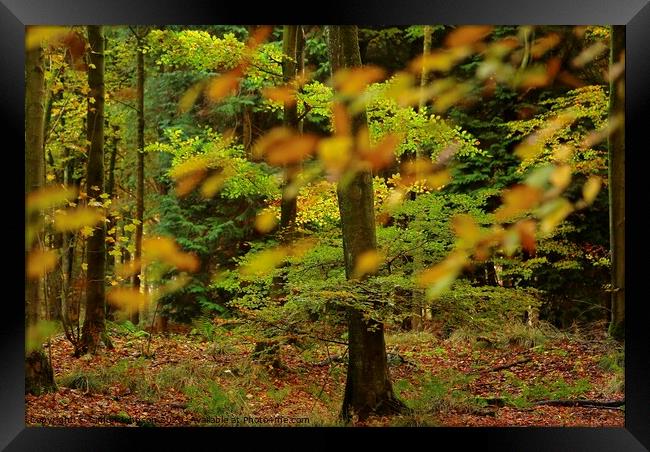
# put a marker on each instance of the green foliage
(211, 401)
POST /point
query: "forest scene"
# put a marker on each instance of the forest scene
(303, 225)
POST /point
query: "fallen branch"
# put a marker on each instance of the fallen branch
(508, 366)
(583, 403)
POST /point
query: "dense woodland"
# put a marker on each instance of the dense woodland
(324, 225)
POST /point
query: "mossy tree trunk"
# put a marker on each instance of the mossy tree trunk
(617, 187)
(368, 389)
(39, 376)
(94, 322)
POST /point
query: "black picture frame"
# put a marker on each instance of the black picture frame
(635, 14)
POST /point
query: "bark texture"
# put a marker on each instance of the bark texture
(617, 188)
(39, 376)
(94, 323)
(368, 389)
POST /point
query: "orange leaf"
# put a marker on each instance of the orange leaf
(467, 35)
(517, 200)
(40, 261)
(352, 81)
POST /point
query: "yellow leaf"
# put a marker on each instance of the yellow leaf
(526, 230)
(367, 263)
(558, 210)
(441, 276)
(84, 267)
(189, 97)
(50, 196)
(35, 35)
(381, 155)
(127, 300)
(263, 262)
(466, 228)
(282, 146)
(40, 261)
(266, 221)
(213, 184)
(283, 94)
(441, 61)
(437, 180)
(352, 81)
(591, 188)
(220, 87)
(561, 176)
(467, 35)
(75, 219)
(544, 44)
(334, 153)
(128, 269)
(165, 249)
(517, 200)
(589, 54)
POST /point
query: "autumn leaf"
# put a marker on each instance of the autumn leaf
(190, 96)
(266, 221)
(553, 213)
(165, 249)
(35, 35)
(352, 81)
(367, 263)
(282, 146)
(127, 299)
(284, 94)
(38, 333)
(383, 154)
(263, 262)
(76, 219)
(591, 188)
(440, 277)
(40, 261)
(526, 230)
(335, 153)
(561, 177)
(544, 44)
(466, 228)
(518, 200)
(50, 196)
(467, 35)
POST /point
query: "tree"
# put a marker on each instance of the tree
(93, 327)
(617, 186)
(368, 389)
(39, 376)
(139, 194)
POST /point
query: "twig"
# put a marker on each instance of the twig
(583, 403)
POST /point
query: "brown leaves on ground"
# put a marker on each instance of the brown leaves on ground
(304, 389)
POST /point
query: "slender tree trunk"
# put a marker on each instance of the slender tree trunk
(426, 49)
(94, 324)
(139, 195)
(39, 376)
(288, 208)
(368, 389)
(111, 225)
(617, 188)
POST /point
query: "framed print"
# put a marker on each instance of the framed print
(365, 223)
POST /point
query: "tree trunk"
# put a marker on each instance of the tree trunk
(368, 389)
(139, 195)
(617, 188)
(426, 49)
(288, 207)
(93, 326)
(111, 225)
(39, 376)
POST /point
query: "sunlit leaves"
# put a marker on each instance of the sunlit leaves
(76, 219)
(40, 261)
(367, 263)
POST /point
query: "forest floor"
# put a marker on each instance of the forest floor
(458, 381)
